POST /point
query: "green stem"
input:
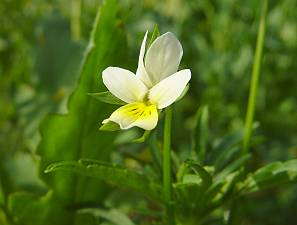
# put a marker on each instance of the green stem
(255, 78)
(167, 168)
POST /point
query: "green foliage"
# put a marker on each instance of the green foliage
(119, 176)
(114, 216)
(200, 134)
(74, 135)
(77, 130)
(33, 210)
(271, 175)
(107, 97)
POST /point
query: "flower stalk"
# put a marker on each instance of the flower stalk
(167, 181)
(255, 78)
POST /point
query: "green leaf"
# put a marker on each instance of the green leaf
(220, 192)
(32, 209)
(110, 126)
(3, 219)
(114, 216)
(107, 97)
(155, 151)
(236, 164)
(112, 173)
(188, 180)
(271, 175)
(75, 135)
(225, 157)
(200, 134)
(155, 34)
(201, 172)
(1, 195)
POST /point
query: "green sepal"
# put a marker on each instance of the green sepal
(107, 97)
(143, 138)
(110, 126)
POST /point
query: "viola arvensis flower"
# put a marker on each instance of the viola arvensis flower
(156, 84)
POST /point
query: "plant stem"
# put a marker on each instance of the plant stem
(167, 168)
(255, 78)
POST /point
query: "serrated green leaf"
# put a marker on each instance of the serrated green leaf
(107, 97)
(114, 216)
(271, 175)
(112, 173)
(110, 126)
(200, 134)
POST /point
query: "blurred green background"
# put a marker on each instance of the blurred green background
(41, 49)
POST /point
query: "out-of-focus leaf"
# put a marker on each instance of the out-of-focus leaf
(232, 167)
(189, 180)
(200, 134)
(110, 126)
(225, 148)
(1, 195)
(114, 174)
(271, 175)
(75, 135)
(107, 97)
(114, 216)
(192, 187)
(3, 219)
(32, 210)
(200, 171)
(155, 150)
(225, 156)
(222, 190)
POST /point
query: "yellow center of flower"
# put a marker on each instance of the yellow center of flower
(138, 110)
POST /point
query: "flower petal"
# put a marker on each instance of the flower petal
(135, 114)
(163, 57)
(141, 71)
(124, 84)
(168, 90)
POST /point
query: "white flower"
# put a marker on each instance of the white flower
(156, 84)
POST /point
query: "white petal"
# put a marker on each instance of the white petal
(141, 72)
(135, 114)
(124, 84)
(163, 57)
(168, 90)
